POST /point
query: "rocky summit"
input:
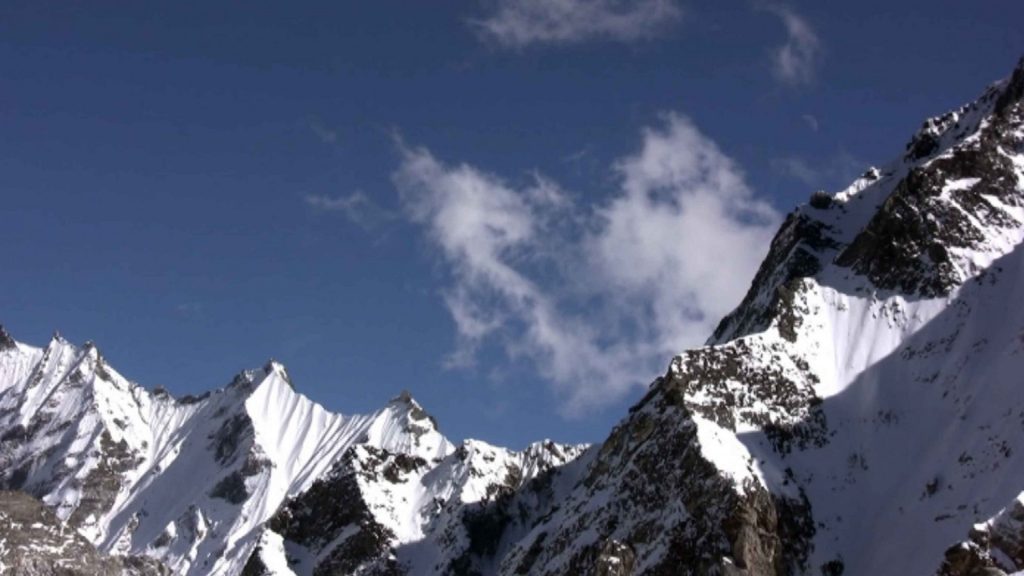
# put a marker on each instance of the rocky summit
(860, 412)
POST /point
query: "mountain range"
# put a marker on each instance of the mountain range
(859, 412)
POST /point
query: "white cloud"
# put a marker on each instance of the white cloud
(795, 61)
(682, 201)
(597, 297)
(521, 23)
(357, 207)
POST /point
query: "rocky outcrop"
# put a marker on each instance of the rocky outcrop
(993, 547)
(332, 521)
(34, 542)
(6, 341)
(950, 203)
(653, 502)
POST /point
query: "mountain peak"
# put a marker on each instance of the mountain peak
(404, 397)
(405, 403)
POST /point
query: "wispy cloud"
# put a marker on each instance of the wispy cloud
(798, 169)
(521, 23)
(796, 61)
(324, 133)
(597, 297)
(812, 122)
(357, 207)
(834, 171)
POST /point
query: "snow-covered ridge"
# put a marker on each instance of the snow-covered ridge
(193, 482)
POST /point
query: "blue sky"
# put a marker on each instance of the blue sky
(515, 209)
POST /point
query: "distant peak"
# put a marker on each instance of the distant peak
(6, 342)
(404, 397)
(405, 402)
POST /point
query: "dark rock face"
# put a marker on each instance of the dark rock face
(769, 397)
(907, 245)
(334, 504)
(228, 441)
(255, 566)
(103, 482)
(6, 342)
(37, 543)
(665, 507)
(796, 252)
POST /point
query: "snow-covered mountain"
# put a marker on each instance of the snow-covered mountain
(860, 412)
(202, 483)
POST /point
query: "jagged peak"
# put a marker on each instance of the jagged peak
(90, 350)
(274, 367)
(404, 397)
(938, 133)
(882, 226)
(405, 405)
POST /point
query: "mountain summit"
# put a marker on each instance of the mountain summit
(859, 412)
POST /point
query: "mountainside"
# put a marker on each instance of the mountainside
(860, 412)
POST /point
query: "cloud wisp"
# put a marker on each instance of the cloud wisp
(835, 171)
(596, 297)
(322, 131)
(356, 207)
(517, 24)
(796, 61)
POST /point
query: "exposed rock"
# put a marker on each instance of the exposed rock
(34, 542)
(6, 342)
